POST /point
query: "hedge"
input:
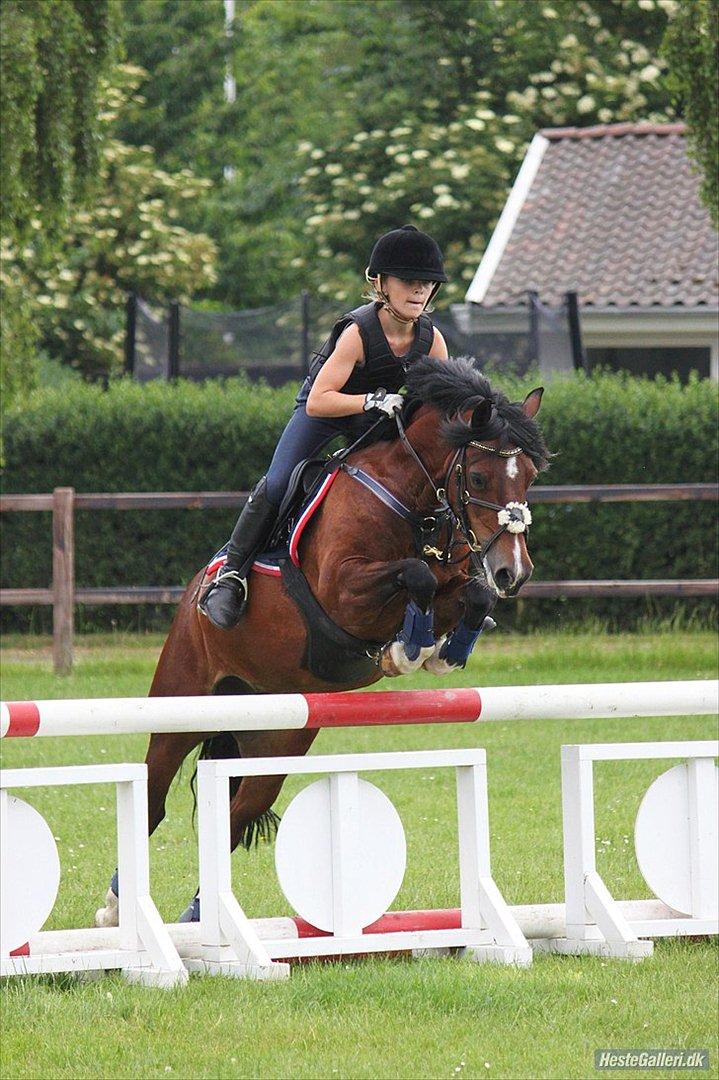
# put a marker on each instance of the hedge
(606, 428)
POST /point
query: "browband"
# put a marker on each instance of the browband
(493, 450)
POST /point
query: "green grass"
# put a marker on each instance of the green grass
(376, 1018)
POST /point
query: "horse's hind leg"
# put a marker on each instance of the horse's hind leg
(251, 816)
(165, 755)
(251, 798)
(181, 671)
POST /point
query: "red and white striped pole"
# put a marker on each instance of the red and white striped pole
(277, 712)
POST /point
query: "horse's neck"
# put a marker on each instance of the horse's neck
(353, 545)
(392, 463)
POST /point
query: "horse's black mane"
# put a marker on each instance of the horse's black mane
(457, 384)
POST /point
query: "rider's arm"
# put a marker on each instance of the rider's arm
(439, 347)
(324, 398)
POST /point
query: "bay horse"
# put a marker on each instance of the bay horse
(415, 540)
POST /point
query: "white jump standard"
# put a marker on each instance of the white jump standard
(340, 851)
(348, 859)
(676, 841)
(144, 950)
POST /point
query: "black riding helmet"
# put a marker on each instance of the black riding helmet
(409, 254)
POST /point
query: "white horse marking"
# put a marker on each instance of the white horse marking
(512, 468)
(110, 915)
(394, 660)
(517, 559)
(434, 664)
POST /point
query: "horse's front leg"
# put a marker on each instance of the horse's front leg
(453, 650)
(415, 641)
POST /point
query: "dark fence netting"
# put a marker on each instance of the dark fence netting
(555, 334)
(276, 343)
(271, 343)
(151, 342)
(515, 340)
(494, 351)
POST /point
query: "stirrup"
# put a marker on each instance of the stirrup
(232, 582)
(227, 576)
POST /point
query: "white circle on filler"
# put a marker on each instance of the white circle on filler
(663, 844)
(32, 874)
(374, 863)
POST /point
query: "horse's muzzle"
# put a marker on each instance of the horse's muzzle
(505, 577)
(507, 584)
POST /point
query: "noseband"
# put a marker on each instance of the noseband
(513, 517)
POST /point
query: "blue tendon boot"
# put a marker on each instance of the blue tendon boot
(453, 651)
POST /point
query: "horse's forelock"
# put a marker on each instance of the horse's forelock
(455, 387)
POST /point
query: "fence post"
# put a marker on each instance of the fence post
(130, 327)
(575, 332)
(533, 327)
(63, 579)
(305, 332)
(173, 342)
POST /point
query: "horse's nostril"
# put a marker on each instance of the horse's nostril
(503, 579)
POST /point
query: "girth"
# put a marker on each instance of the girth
(331, 653)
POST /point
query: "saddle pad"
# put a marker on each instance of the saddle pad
(306, 514)
(267, 562)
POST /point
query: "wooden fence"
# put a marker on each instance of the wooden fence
(63, 502)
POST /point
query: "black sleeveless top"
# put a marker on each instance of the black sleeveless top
(381, 367)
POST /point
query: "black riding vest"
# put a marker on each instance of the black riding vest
(381, 367)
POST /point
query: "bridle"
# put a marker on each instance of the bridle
(513, 517)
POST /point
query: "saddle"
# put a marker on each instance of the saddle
(331, 654)
(305, 479)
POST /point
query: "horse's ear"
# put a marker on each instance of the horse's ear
(530, 405)
(481, 414)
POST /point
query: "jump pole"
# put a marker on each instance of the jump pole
(278, 712)
(538, 922)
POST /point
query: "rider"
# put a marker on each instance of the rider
(353, 379)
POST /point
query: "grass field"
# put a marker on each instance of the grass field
(376, 1018)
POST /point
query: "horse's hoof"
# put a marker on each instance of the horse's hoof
(437, 666)
(109, 915)
(394, 661)
(192, 911)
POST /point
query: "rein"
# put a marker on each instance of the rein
(513, 517)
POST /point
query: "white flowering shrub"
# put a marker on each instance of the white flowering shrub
(126, 240)
(434, 175)
(502, 72)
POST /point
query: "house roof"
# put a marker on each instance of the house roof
(611, 212)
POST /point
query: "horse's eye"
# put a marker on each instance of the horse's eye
(478, 480)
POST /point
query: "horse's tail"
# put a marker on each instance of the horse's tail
(222, 746)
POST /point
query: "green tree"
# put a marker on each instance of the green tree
(128, 239)
(323, 77)
(52, 53)
(500, 71)
(284, 57)
(691, 46)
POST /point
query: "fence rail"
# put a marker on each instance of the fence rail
(63, 595)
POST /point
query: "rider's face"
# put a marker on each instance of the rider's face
(408, 298)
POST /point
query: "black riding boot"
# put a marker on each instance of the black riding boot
(224, 601)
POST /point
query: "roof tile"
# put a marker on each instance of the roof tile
(613, 214)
